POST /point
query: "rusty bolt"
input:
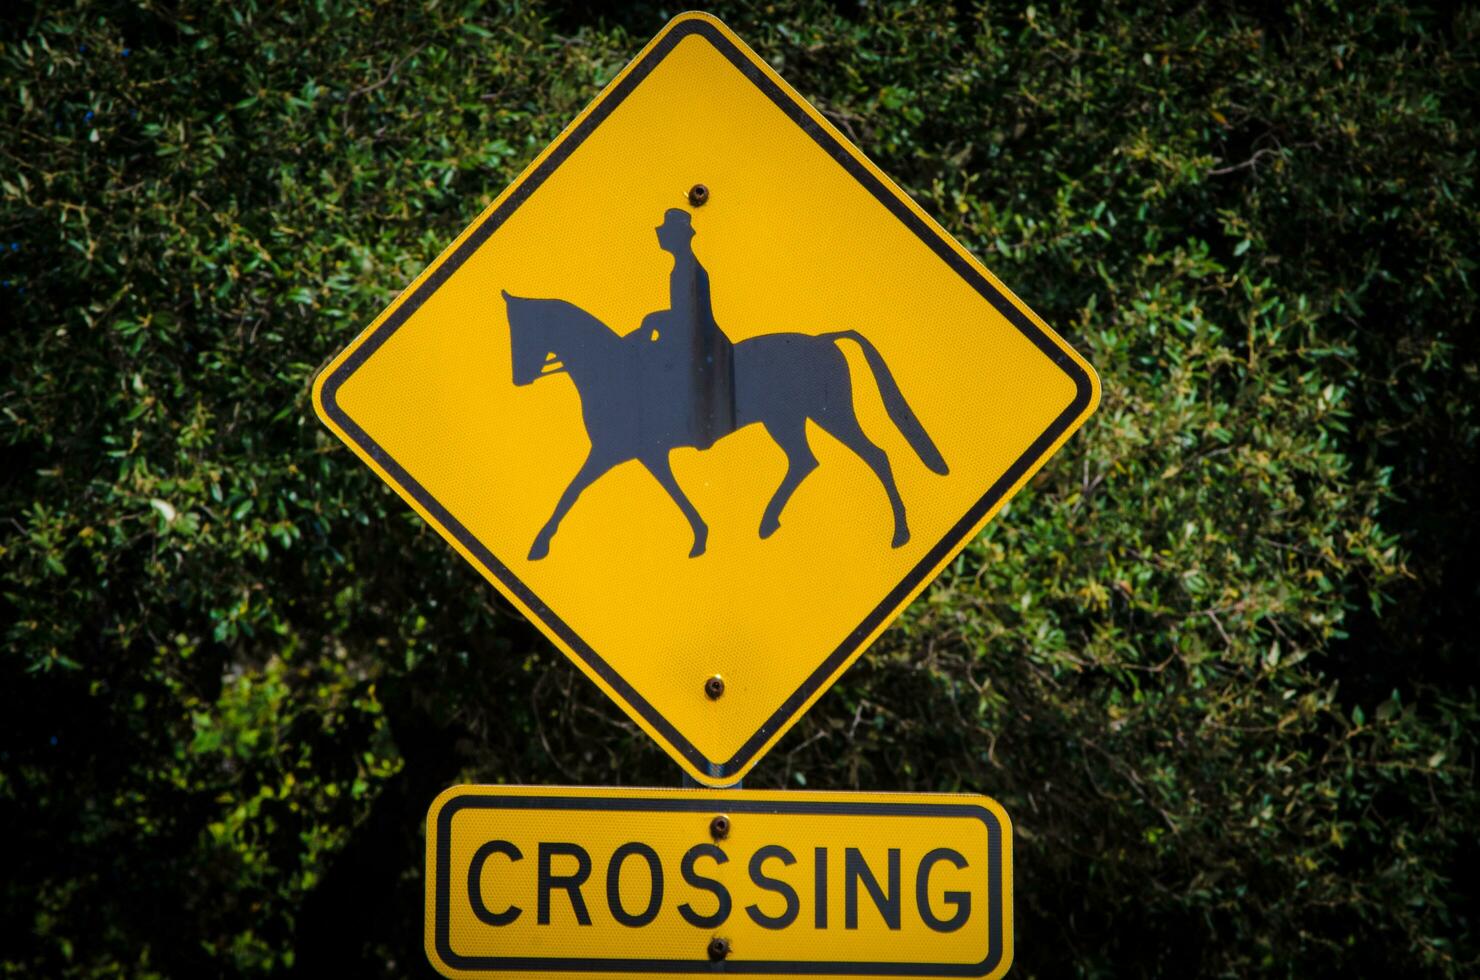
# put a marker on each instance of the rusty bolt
(698, 195)
(714, 687)
(719, 948)
(719, 827)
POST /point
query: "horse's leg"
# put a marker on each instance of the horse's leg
(840, 421)
(658, 466)
(791, 436)
(594, 466)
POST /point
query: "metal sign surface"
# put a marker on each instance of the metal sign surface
(707, 397)
(580, 882)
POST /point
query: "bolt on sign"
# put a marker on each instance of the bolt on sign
(582, 882)
(707, 397)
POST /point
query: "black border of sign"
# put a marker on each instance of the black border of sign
(1084, 392)
(709, 804)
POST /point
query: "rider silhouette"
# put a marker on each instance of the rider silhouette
(682, 350)
(672, 384)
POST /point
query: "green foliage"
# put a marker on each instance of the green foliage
(1215, 661)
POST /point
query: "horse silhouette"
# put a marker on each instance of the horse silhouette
(678, 381)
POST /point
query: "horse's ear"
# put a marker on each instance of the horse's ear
(507, 297)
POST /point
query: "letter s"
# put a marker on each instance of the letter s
(720, 892)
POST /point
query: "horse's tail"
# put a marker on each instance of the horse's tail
(899, 409)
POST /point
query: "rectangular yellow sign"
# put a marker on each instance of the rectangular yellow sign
(584, 882)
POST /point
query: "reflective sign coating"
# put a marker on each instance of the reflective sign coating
(580, 882)
(711, 450)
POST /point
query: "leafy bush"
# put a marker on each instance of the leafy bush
(1215, 661)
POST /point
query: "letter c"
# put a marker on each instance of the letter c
(475, 883)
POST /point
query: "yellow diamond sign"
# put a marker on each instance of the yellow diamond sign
(707, 397)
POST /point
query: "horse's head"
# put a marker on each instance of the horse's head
(546, 334)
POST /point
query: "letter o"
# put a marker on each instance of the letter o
(614, 885)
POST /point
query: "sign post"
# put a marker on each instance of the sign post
(710, 400)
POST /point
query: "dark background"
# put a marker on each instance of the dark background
(1215, 661)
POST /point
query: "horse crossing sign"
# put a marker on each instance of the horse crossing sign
(707, 397)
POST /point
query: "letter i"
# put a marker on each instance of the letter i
(820, 890)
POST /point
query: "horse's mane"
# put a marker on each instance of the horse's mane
(535, 311)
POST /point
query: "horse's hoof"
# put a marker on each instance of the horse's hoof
(539, 549)
(901, 537)
(769, 526)
(700, 543)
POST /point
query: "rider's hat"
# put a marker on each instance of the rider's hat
(676, 219)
